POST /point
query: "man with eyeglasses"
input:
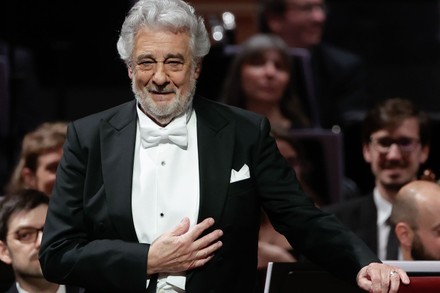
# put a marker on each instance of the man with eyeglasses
(22, 218)
(396, 139)
(330, 81)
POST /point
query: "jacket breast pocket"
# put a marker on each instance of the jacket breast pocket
(240, 188)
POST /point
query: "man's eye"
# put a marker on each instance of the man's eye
(405, 142)
(146, 63)
(174, 65)
(385, 142)
(24, 235)
(173, 62)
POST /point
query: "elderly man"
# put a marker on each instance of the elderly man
(416, 219)
(166, 191)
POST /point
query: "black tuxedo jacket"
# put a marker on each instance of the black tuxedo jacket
(360, 215)
(89, 238)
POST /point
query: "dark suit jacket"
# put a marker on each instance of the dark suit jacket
(89, 238)
(340, 85)
(360, 215)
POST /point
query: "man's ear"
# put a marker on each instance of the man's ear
(366, 153)
(424, 154)
(197, 70)
(4, 253)
(405, 234)
(29, 179)
(130, 72)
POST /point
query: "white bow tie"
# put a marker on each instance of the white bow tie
(153, 136)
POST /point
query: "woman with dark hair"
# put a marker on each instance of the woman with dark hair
(259, 80)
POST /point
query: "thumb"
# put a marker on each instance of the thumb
(182, 228)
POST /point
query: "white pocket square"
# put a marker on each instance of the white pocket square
(240, 175)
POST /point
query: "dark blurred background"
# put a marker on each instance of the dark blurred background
(62, 64)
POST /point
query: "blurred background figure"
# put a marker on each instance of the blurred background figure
(294, 151)
(416, 219)
(259, 80)
(396, 143)
(40, 155)
(22, 218)
(20, 108)
(330, 82)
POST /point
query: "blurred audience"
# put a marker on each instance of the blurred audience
(294, 151)
(259, 80)
(416, 218)
(40, 155)
(41, 152)
(396, 142)
(20, 105)
(330, 82)
(22, 218)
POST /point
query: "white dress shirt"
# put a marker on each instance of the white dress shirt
(384, 208)
(165, 189)
(61, 289)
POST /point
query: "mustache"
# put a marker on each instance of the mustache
(393, 164)
(158, 90)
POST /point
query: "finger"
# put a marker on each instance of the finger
(207, 240)
(384, 283)
(202, 256)
(363, 281)
(198, 263)
(394, 281)
(181, 228)
(372, 279)
(208, 251)
(403, 276)
(198, 229)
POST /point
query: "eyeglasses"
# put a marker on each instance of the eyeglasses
(405, 144)
(27, 235)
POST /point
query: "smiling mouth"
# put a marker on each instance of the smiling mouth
(161, 92)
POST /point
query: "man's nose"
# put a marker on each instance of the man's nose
(318, 14)
(160, 77)
(394, 152)
(270, 68)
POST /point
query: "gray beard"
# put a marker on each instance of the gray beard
(165, 114)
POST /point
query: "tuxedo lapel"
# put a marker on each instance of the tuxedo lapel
(215, 146)
(118, 136)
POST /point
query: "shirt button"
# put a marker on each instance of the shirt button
(163, 163)
(161, 214)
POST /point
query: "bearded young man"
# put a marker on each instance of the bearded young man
(396, 140)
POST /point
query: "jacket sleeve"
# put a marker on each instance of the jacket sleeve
(73, 252)
(319, 236)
